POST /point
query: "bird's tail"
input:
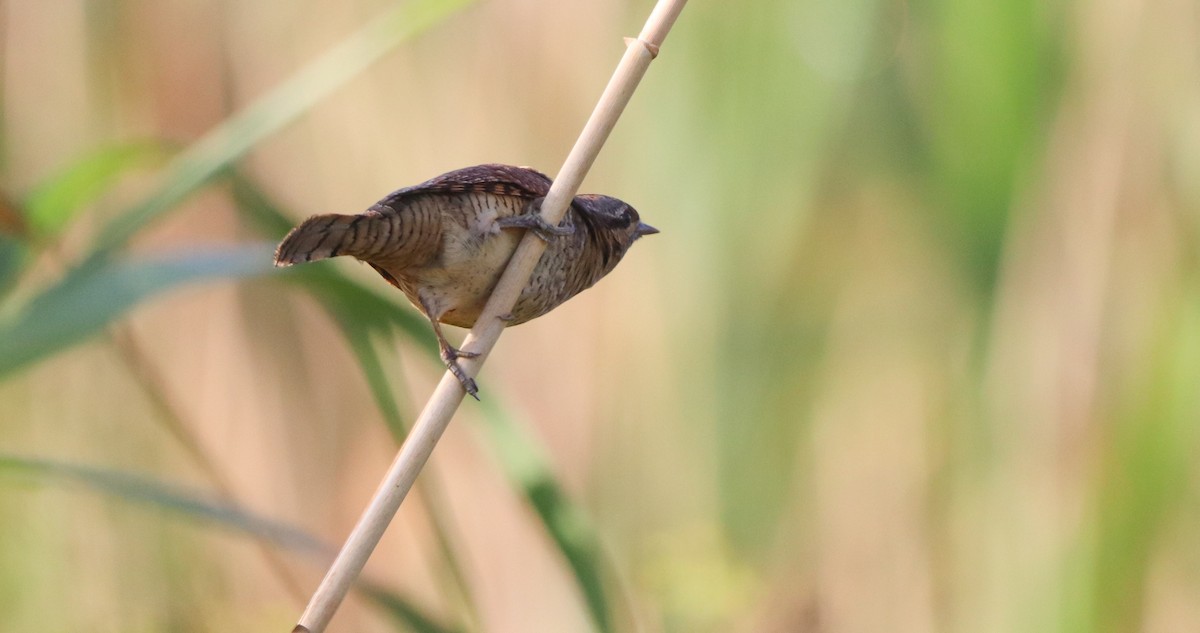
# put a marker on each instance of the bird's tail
(324, 236)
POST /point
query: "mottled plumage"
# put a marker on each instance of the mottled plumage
(446, 241)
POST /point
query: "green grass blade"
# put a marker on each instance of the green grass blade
(358, 311)
(51, 206)
(352, 304)
(284, 104)
(377, 379)
(137, 489)
(264, 215)
(992, 93)
(566, 523)
(55, 202)
(12, 258)
(401, 610)
(1147, 477)
(89, 298)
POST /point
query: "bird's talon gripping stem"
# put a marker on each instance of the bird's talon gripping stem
(450, 356)
(533, 221)
(458, 353)
(507, 317)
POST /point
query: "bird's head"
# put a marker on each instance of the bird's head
(614, 221)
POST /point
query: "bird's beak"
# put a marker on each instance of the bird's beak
(645, 229)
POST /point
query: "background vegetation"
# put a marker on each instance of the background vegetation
(917, 350)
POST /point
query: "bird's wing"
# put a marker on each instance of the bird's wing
(501, 180)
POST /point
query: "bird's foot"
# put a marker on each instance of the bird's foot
(450, 356)
(532, 220)
(507, 317)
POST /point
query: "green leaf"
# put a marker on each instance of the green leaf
(12, 256)
(991, 67)
(566, 523)
(255, 205)
(56, 201)
(227, 142)
(1145, 477)
(89, 298)
(138, 489)
(360, 313)
(133, 488)
(402, 611)
(352, 304)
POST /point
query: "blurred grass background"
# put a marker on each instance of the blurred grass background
(917, 350)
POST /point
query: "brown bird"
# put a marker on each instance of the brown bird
(446, 241)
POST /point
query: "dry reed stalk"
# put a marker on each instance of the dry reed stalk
(449, 393)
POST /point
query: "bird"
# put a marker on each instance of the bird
(445, 242)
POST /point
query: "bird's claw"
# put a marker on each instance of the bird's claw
(450, 356)
(547, 232)
(533, 221)
(452, 353)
